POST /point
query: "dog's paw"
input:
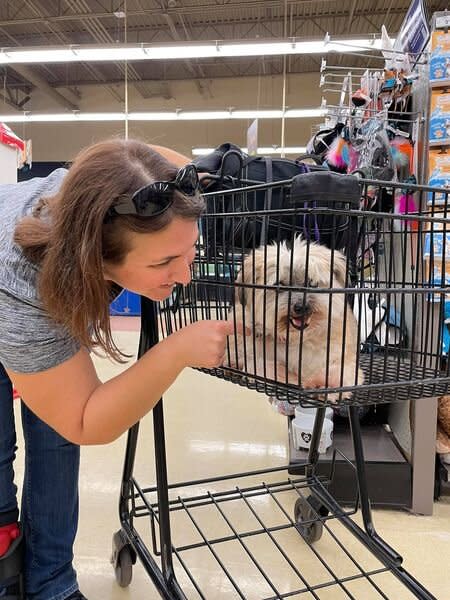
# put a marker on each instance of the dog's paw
(282, 407)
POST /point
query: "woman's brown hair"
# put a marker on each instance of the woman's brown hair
(69, 239)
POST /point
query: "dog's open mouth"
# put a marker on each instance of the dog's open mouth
(300, 323)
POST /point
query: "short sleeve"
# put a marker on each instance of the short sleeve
(29, 340)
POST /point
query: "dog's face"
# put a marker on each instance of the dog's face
(278, 311)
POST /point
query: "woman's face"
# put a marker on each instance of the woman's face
(157, 261)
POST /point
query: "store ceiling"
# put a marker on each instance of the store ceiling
(56, 22)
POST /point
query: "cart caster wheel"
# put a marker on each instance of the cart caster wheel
(310, 532)
(124, 567)
(123, 558)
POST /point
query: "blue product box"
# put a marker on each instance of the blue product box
(439, 67)
(440, 117)
(439, 176)
(127, 304)
(440, 56)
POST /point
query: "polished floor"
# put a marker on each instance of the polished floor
(216, 428)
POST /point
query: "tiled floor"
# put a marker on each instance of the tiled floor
(213, 428)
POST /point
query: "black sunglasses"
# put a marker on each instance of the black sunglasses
(154, 199)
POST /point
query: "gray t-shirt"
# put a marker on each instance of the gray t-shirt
(29, 340)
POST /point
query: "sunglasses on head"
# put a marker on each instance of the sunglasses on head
(155, 198)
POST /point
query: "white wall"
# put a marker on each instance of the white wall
(8, 164)
(62, 141)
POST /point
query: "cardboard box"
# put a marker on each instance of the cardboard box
(440, 56)
(437, 259)
(436, 250)
(439, 176)
(440, 117)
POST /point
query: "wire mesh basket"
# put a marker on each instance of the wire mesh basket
(335, 297)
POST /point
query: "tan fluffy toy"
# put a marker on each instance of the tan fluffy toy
(443, 428)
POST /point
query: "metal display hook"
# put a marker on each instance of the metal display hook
(327, 40)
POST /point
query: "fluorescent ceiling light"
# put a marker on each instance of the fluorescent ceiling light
(261, 150)
(305, 113)
(61, 117)
(178, 115)
(256, 114)
(120, 52)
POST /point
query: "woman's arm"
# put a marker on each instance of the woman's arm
(72, 400)
(179, 160)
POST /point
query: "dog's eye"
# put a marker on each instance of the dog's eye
(312, 284)
(281, 282)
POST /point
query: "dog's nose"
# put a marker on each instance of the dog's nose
(300, 309)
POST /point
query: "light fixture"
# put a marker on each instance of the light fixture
(217, 49)
(61, 117)
(177, 115)
(305, 113)
(262, 150)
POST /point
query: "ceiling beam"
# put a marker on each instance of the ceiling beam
(37, 80)
(70, 102)
(159, 83)
(199, 10)
(196, 70)
(5, 100)
(350, 18)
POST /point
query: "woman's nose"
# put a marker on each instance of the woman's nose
(182, 273)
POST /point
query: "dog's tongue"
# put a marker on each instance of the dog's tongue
(298, 322)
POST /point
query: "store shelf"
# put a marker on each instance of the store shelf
(443, 144)
(389, 474)
(440, 83)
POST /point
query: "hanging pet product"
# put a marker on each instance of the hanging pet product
(361, 98)
(322, 141)
(402, 151)
(341, 156)
(374, 152)
(388, 85)
(405, 204)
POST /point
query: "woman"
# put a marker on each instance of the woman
(123, 215)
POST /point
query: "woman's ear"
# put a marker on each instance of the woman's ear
(107, 276)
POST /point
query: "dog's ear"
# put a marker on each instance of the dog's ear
(240, 291)
(251, 273)
(242, 295)
(239, 294)
(340, 267)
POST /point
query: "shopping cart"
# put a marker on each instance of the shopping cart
(394, 265)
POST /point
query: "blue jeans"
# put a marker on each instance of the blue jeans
(49, 511)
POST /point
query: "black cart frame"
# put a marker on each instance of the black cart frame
(314, 513)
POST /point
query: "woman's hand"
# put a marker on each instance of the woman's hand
(203, 344)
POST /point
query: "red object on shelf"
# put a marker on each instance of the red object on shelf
(8, 137)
